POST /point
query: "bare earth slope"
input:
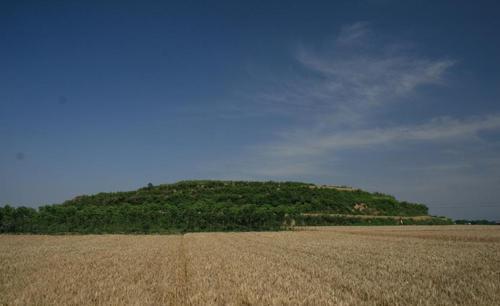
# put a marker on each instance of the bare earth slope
(444, 265)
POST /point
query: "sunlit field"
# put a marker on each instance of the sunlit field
(426, 265)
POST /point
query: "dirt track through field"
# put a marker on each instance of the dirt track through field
(445, 265)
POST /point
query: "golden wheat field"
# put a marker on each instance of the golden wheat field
(426, 265)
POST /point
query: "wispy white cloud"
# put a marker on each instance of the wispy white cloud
(341, 90)
(345, 81)
(361, 79)
(313, 144)
(352, 33)
(373, 80)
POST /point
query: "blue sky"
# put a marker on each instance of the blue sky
(402, 98)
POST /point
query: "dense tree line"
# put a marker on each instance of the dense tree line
(148, 218)
(200, 206)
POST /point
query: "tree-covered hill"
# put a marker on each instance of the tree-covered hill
(208, 206)
(301, 196)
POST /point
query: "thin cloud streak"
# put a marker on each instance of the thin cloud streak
(340, 93)
(368, 80)
(353, 33)
(345, 82)
(438, 129)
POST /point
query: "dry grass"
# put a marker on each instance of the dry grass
(440, 265)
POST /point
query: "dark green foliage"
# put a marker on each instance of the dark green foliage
(201, 206)
(299, 195)
(16, 219)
